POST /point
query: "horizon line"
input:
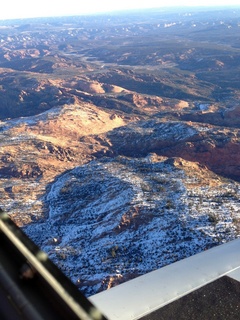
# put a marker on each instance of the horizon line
(121, 11)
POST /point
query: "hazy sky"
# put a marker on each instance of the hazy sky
(40, 8)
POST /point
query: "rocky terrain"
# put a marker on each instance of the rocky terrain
(119, 149)
(116, 218)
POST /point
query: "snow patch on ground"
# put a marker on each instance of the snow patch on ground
(114, 219)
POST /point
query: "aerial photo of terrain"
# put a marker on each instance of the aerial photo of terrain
(120, 137)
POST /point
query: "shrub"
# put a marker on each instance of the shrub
(213, 218)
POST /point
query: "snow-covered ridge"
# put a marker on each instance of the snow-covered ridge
(115, 219)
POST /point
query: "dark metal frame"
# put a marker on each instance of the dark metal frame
(31, 286)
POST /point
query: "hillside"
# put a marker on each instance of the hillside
(114, 219)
